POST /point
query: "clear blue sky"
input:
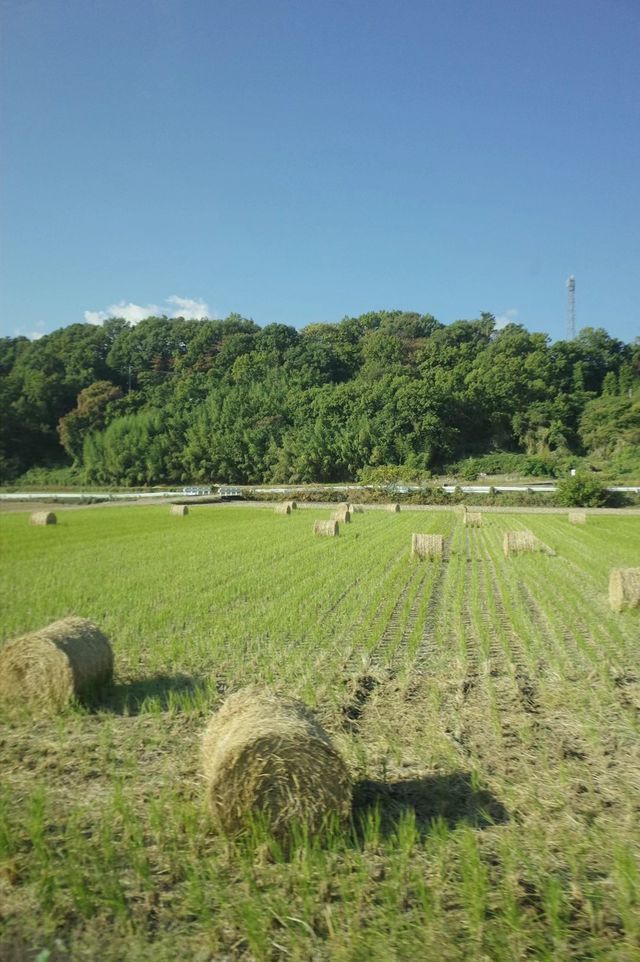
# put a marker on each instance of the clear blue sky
(299, 160)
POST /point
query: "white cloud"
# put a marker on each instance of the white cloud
(34, 335)
(174, 306)
(96, 317)
(508, 317)
(134, 313)
(189, 309)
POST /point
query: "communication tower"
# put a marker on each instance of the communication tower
(571, 308)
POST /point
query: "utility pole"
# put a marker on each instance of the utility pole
(571, 308)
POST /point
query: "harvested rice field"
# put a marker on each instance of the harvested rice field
(487, 708)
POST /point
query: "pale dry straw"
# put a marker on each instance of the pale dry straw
(427, 546)
(624, 588)
(266, 756)
(357, 509)
(293, 505)
(43, 517)
(342, 517)
(472, 519)
(179, 509)
(393, 508)
(578, 517)
(283, 508)
(46, 669)
(328, 529)
(519, 542)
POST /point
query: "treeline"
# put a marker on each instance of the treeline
(174, 400)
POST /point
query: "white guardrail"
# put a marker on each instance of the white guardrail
(229, 490)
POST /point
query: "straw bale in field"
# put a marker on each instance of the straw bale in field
(460, 508)
(43, 517)
(393, 508)
(624, 588)
(578, 517)
(293, 505)
(267, 756)
(519, 542)
(472, 519)
(427, 546)
(342, 517)
(283, 508)
(179, 509)
(329, 529)
(357, 509)
(44, 670)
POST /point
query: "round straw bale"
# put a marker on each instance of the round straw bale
(179, 509)
(283, 508)
(44, 670)
(624, 588)
(393, 508)
(342, 517)
(43, 517)
(519, 542)
(264, 755)
(472, 519)
(578, 517)
(357, 509)
(329, 529)
(427, 546)
(293, 505)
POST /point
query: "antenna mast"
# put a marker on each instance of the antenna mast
(571, 308)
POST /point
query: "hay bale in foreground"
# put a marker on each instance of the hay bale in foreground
(268, 756)
(578, 517)
(624, 588)
(472, 519)
(519, 542)
(342, 517)
(329, 529)
(393, 508)
(427, 546)
(43, 517)
(179, 509)
(44, 670)
(283, 508)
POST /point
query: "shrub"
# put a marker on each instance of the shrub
(581, 491)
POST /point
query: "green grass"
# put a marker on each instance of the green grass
(494, 746)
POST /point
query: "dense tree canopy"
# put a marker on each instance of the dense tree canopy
(172, 400)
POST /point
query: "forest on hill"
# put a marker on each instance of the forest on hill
(172, 400)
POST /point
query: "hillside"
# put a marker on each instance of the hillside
(172, 400)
